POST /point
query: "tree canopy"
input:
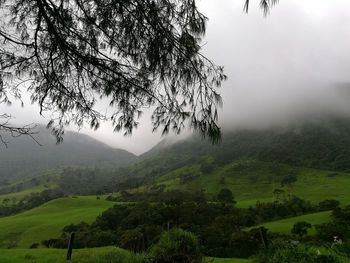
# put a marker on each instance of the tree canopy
(139, 54)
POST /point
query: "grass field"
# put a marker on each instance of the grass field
(19, 189)
(285, 225)
(46, 221)
(92, 255)
(251, 181)
(228, 260)
(15, 197)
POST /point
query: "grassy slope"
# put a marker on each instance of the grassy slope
(21, 188)
(19, 195)
(285, 225)
(46, 221)
(92, 255)
(257, 180)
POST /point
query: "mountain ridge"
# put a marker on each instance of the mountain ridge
(24, 157)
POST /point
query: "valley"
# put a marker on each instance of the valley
(276, 179)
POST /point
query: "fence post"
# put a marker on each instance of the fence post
(70, 246)
(263, 234)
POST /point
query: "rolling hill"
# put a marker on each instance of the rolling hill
(252, 181)
(322, 144)
(252, 163)
(47, 221)
(24, 158)
(285, 225)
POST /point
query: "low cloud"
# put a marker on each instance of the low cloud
(292, 64)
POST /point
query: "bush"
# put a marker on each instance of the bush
(34, 245)
(225, 196)
(326, 259)
(133, 240)
(176, 246)
(328, 205)
(117, 256)
(294, 253)
(55, 242)
(300, 228)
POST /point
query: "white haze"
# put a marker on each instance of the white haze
(281, 67)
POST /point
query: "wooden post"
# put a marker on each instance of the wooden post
(263, 234)
(70, 246)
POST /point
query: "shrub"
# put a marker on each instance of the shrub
(34, 245)
(300, 228)
(117, 256)
(328, 205)
(133, 240)
(294, 253)
(225, 196)
(326, 259)
(176, 246)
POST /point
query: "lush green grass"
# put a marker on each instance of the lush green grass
(317, 185)
(19, 189)
(228, 260)
(251, 181)
(92, 255)
(285, 225)
(17, 196)
(46, 221)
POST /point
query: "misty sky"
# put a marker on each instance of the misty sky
(281, 67)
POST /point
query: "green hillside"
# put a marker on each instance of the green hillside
(14, 192)
(13, 198)
(24, 158)
(251, 163)
(322, 144)
(319, 149)
(46, 221)
(285, 225)
(252, 181)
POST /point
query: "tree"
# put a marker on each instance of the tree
(300, 228)
(138, 54)
(176, 246)
(289, 180)
(13, 130)
(206, 167)
(133, 240)
(278, 193)
(135, 54)
(264, 4)
(328, 205)
(225, 196)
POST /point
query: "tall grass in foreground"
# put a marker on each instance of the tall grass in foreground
(93, 255)
(113, 257)
(293, 252)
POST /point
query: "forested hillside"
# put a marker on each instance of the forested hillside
(323, 144)
(24, 157)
